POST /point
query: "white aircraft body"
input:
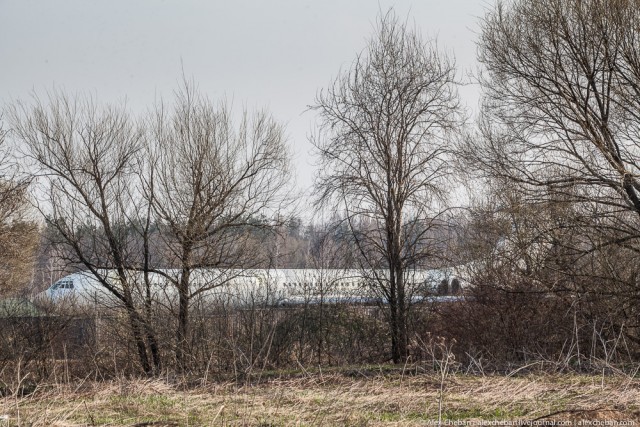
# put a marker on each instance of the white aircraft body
(256, 286)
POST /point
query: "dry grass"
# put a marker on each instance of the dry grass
(336, 399)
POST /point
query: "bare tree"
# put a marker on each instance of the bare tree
(85, 156)
(383, 158)
(560, 126)
(216, 181)
(561, 113)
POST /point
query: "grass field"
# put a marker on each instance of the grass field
(355, 398)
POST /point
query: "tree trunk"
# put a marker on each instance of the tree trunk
(398, 318)
(183, 320)
(151, 338)
(154, 348)
(395, 335)
(135, 320)
(403, 351)
(138, 336)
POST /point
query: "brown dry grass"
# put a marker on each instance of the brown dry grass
(336, 399)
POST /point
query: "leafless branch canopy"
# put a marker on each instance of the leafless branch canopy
(386, 125)
(561, 111)
(213, 179)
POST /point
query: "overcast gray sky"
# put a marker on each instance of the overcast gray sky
(275, 54)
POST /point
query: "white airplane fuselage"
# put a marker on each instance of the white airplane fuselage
(246, 287)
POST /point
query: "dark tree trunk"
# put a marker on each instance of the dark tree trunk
(183, 320)
(138, 335)
(398, 318)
